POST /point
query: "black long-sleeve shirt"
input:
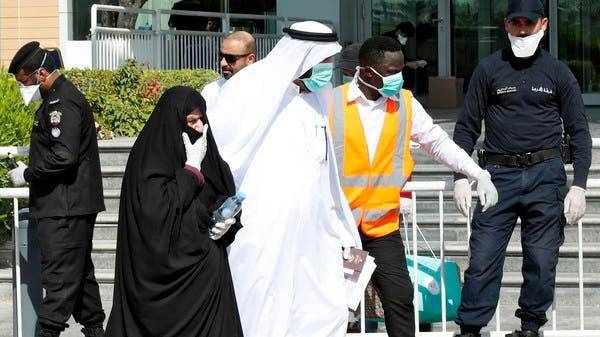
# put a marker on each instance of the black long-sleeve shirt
(522, 102)
(64, 163)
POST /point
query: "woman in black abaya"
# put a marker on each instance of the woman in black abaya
(171, 278)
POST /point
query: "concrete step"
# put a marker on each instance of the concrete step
(103, 256)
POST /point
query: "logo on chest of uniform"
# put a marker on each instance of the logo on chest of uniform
(542, 89)
(506, 90)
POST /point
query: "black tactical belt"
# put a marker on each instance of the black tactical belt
(523, 159)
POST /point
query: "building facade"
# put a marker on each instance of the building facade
(451, 35)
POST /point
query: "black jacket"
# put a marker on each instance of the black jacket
(64, 164)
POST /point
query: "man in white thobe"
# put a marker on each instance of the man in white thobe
(287, 260)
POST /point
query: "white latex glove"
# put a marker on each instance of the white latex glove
(346, 253)
(220, 228)
(488, 195)
(574, 204)
(17, 175)
(195, 152)
(421, 63)
(405, 206)
(462, 196)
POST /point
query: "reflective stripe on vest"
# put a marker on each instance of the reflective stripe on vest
(373, 189)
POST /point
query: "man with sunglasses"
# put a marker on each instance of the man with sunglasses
(65, 192)
(374, 120)
(238, 50)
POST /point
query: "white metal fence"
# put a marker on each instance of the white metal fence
(172, 49)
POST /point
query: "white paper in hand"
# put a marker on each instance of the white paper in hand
(355, 289)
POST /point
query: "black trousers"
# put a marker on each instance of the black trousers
(392, 283)
(68, 272)
(535, 194)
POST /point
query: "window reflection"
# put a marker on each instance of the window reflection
(579, 47)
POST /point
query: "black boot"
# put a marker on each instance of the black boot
(524, 333)
(93, 331)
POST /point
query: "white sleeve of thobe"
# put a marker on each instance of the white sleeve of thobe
(438, 144)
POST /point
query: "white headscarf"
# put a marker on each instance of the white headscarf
(249, 102)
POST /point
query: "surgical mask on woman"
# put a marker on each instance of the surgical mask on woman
(321, 75)
(525, 46)
(391, 84)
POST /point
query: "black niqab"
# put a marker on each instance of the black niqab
(171, 279)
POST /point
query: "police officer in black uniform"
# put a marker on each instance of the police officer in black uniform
(526, 96)
(65, 192)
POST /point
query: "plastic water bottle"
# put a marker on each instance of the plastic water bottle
(230, 208)
(11, 163)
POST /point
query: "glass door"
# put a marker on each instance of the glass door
(422, 45)
(578, 24)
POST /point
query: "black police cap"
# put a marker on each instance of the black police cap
(532, 10)
(23, 55)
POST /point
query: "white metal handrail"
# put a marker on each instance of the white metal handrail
(414, 187)
(172, 49)
(440, 187)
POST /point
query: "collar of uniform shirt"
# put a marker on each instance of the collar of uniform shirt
(354, 93)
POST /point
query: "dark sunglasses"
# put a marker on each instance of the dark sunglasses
(231, 58)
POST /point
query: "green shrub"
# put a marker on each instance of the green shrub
(123, 99)
(15, 116)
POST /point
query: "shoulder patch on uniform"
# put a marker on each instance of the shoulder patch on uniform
(54, 101)
(55, 117)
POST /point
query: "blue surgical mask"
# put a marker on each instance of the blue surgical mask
(391, 84)
(321, 75)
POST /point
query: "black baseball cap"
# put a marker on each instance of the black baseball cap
(529, 9)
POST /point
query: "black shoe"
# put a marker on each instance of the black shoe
(467, 334)
(524, 333)
(93, 331)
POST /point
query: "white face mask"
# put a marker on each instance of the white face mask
(525, 46)
(402, 39)
(30, 93)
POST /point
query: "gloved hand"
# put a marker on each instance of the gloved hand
(462, 196)
(17, 175)
(220, 228)
(406, 206)
(421, 63)
(346, 253)
(574, 204)
(195, 152)
(488, 195)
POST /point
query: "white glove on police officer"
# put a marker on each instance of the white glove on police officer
(488, 195)
(17, 175)
(405, 206)
(574, 205)
(195, 152)
(462, 196)
(220, 228)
